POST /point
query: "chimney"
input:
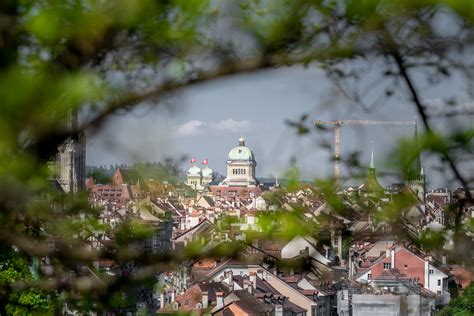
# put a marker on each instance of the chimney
(173, 296)
(220, 299)
(393, 258)
(205, 299)
(230, 280)
(278, 310)
(248, 286)
(162, 300)
(387, 252)
(253, 279)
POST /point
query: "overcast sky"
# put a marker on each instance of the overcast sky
(206, 121)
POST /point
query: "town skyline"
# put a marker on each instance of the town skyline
(204, 121)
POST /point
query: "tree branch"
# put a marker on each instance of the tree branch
(421, 111)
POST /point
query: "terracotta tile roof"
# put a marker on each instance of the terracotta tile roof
(462, 275)
(251, 304)
(212, 288)
(391, 274)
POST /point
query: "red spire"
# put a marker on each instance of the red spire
(205, 162)
(193, 160)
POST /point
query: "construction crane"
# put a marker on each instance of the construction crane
(337, 136)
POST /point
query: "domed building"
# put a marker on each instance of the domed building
(198, 178)
(240, 167)
(207, 175)
(194, 177)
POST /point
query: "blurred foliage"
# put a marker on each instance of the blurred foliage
(14, 272)
(460, 306)
(158, 171)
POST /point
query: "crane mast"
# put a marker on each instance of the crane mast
(337, 137)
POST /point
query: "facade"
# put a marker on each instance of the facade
(71, 160)
(194, 178)
(380, 303)
(198, 178)
(411, 266)
(240, 183)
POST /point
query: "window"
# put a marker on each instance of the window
(406, 266)
(439, 282)
(387, 265)
(431, 271)
(369, 276)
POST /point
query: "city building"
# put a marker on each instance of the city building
(198, 178)
(241, 165)
(409, 265)
(240, 182)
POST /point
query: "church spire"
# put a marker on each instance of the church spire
(372, 185)
(416, 173)
(372, 163)
(417, 150)
(415, 167)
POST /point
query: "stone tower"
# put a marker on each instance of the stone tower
(415, 173)
(71, 159)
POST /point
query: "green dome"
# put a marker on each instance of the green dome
(194, 171)
(241, 153)
(207, 172)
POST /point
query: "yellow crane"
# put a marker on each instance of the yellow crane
(337, 136)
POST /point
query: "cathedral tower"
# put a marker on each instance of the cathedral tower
(71, 158)
(415, 173)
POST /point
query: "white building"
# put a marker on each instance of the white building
(240, 167)
(194, 178)
(198, 178)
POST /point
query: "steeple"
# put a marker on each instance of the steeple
(372, 184)
(415, 171)
(415, 166)
(372, 164)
